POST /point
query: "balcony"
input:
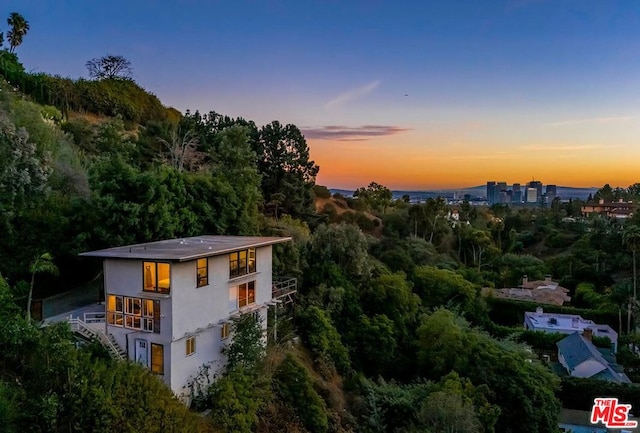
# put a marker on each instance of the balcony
(284, 289)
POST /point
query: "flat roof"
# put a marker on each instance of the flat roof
(566, 322)
(184, 249)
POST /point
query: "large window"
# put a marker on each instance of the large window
(157, 277)
(157, 358)
(247, 294)
(133, 313)
(191, 345)
(202, 272)
(242, 262)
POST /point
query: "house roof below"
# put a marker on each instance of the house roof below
(184, 249)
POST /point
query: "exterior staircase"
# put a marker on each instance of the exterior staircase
(108, 341)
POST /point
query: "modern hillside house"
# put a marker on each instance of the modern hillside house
(169, 304)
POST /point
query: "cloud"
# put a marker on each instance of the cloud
(352, 94)
(351, 133)
(496, 155)
(591, 120)
(559, 148)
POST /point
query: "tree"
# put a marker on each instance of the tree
(19, 28)
(109, 66)
(377, 197)
(41, 264)
(447, 411)
(182, 148)
(283, 160)
(631, 239)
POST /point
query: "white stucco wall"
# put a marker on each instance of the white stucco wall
(124, 278)
(188, 311)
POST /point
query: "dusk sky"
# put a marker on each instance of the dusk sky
(410, 94)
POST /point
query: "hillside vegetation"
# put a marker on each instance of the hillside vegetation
(389, 332)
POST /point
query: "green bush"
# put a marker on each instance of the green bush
(293, 384)
(509, 312)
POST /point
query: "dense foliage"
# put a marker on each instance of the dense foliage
(390, 331)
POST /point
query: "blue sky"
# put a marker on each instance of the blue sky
(500, 90)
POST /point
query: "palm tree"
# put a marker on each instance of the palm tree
(41, 264)
(631, 238)
(19, 28)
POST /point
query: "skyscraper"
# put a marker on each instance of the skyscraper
(501, 192)
(491, 192)
(516, 196)
(552, 193)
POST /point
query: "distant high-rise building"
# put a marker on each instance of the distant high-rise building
(516, 195)
(501, 191)
(538, 186)
(467, 198)
(532, 195)
(552, 193)
(491, 192)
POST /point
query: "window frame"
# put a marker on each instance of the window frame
(225, 331)
(190, 345)
(155, 288)
(242, 262)
(154, 356)
(248, 287)
(127, 317)
(202, 281)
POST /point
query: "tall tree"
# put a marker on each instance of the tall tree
(631, 238)
(109, 66)
(41, 264)
(283, 160)
(182, 149)
(19, 28)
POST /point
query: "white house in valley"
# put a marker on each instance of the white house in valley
(169, 303)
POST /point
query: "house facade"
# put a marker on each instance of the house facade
(169, 304)
(619, 209)
(580, 358)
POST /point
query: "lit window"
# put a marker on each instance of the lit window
(115, 310)
(157, 358)
(251, 265)
(133, 313)
(242, 262)
(156, 277)
(224, 332)
(202, 272)
(191, 345)
(247, 294)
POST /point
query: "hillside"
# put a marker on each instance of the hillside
(386, 332)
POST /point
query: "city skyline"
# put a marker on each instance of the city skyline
(417, 96)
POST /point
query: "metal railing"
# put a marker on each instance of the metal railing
(284, 289)
(81, 327)
(95, 317)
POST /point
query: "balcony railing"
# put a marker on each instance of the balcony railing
(283, 290)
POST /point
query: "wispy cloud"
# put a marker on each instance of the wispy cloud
(496, 155)
(560, 148)
(351, 133)
(591, 120)
(352, 94)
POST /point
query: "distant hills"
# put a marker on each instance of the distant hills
(476, 192)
